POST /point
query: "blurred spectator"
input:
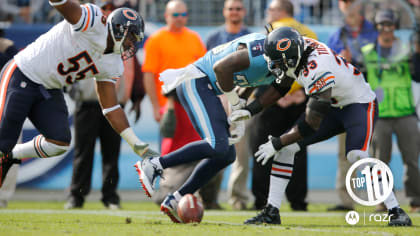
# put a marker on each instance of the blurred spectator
(133, 4)
(280, 13)
(173, 46)
(90, 124)
(348, 41)
(7, 51)
(234, 13)
(416, 72)
(388, 74)
(19, 10)
(354, 34)
(415, 4)
(273, 121)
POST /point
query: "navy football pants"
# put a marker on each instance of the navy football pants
(357, 120)
(20, 98)
(208, 117)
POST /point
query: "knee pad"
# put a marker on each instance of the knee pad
(355, 155)
(47, 149)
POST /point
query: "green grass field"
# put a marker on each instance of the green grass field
(144, 218)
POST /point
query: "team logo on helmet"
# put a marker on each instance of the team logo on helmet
(130, 14)
(281, 42)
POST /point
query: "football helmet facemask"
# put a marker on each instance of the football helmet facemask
(283, 49)
(126, 27)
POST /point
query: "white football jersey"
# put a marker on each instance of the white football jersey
(67, 53)
(326, 70)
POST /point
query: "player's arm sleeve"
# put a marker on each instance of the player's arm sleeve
(91, 16)
(321, 82)
(112, 80)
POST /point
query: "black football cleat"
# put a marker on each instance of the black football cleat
(6, 161)
(398, 217)
(268, 215)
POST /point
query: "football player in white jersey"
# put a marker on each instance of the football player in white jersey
(340, 101)
(85, 45)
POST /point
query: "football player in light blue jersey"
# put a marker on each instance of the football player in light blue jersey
(236, 63)
(256, 74)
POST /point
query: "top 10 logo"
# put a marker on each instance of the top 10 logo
(371, 187)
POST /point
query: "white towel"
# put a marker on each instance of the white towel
(174, 77)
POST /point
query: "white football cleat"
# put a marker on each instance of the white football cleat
(148, 173)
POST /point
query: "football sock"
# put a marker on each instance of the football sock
(177, 196)
(281, 172)
(38, 147)
(391, 201)
(277, 188)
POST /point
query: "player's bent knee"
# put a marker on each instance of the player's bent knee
(221, 147)
(59, 136)
(355, 155)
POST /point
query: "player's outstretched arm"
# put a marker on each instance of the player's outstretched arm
(268, 98)
(224, 70)
(228, 65)
(317, 108)
(115, 115)
(70, 9)
(112, 110)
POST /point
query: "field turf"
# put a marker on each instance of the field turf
(144, 218)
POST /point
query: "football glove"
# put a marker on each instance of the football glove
(241, 104)
(265, 151)
(237, 133)
(144, 151)
(239, 115)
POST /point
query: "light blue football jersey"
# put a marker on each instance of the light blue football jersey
(256, 74)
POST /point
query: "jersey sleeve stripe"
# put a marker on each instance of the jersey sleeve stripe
(314, 89)
(93, 15)
(329, 78)
(84, 19)
(322, 76)
(89, 13)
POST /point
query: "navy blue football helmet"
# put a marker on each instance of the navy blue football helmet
(126, 27)
(283, 49)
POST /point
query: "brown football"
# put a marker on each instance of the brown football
(190, 209)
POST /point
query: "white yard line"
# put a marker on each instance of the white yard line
(157, 212)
